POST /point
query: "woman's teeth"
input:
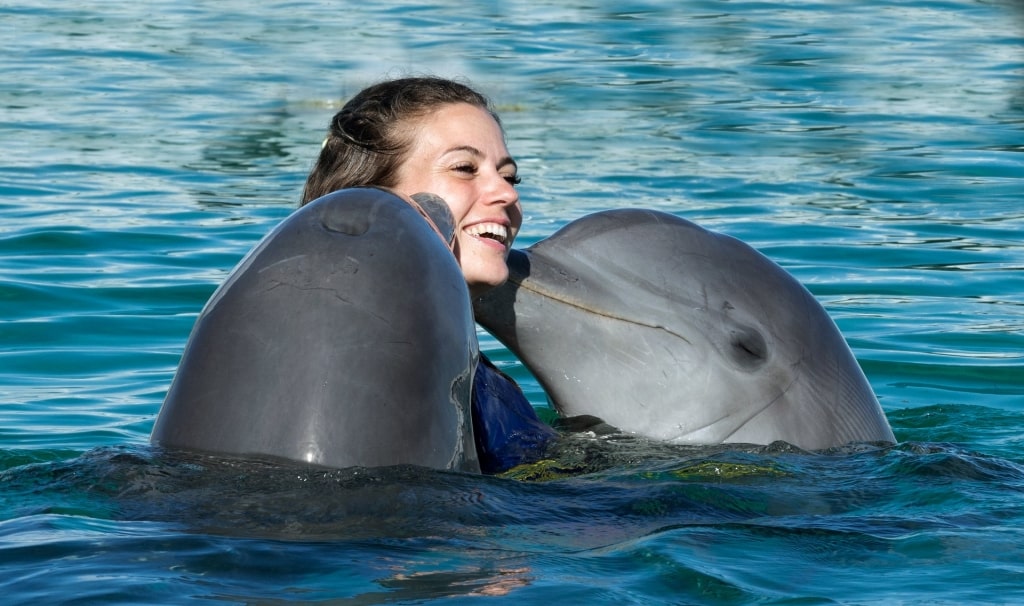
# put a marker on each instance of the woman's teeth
(495, 231)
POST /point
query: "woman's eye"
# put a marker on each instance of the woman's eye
(466, 168)
(513, 180)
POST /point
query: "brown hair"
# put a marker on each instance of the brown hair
(368, 140)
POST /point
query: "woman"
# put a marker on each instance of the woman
(434, 135)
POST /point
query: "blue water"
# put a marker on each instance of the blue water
(873, 148)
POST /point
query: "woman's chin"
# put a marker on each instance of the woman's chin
(479, 287)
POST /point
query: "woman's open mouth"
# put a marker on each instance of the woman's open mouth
(493, 231)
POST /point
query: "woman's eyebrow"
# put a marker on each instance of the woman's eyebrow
(506, 161)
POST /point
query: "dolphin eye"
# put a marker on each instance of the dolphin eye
(747, 347)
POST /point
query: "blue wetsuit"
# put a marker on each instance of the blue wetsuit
(505, 425)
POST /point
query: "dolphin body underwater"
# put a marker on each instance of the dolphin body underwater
(344, 338)
(670, 331)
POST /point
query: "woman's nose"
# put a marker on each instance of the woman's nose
(501, 191)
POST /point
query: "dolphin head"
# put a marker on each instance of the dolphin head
(671, 331)
(344, 338)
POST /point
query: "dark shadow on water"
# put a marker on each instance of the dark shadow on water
(413, 533)
(590, 491)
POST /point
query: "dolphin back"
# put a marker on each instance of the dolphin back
(344, 338)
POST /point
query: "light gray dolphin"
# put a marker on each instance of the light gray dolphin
(344, 338)
(667, 330)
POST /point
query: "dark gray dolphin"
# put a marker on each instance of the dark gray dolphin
(344, 338)
(662, 328)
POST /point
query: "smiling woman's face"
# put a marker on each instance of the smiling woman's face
(459, 153)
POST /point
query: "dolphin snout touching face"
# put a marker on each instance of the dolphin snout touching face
(667, 330)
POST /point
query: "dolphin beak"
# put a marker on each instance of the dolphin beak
(495, 310)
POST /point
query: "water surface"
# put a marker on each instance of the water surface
(873, 149)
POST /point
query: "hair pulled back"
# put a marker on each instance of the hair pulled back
(369, 138)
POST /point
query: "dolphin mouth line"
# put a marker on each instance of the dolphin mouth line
(571, 303)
